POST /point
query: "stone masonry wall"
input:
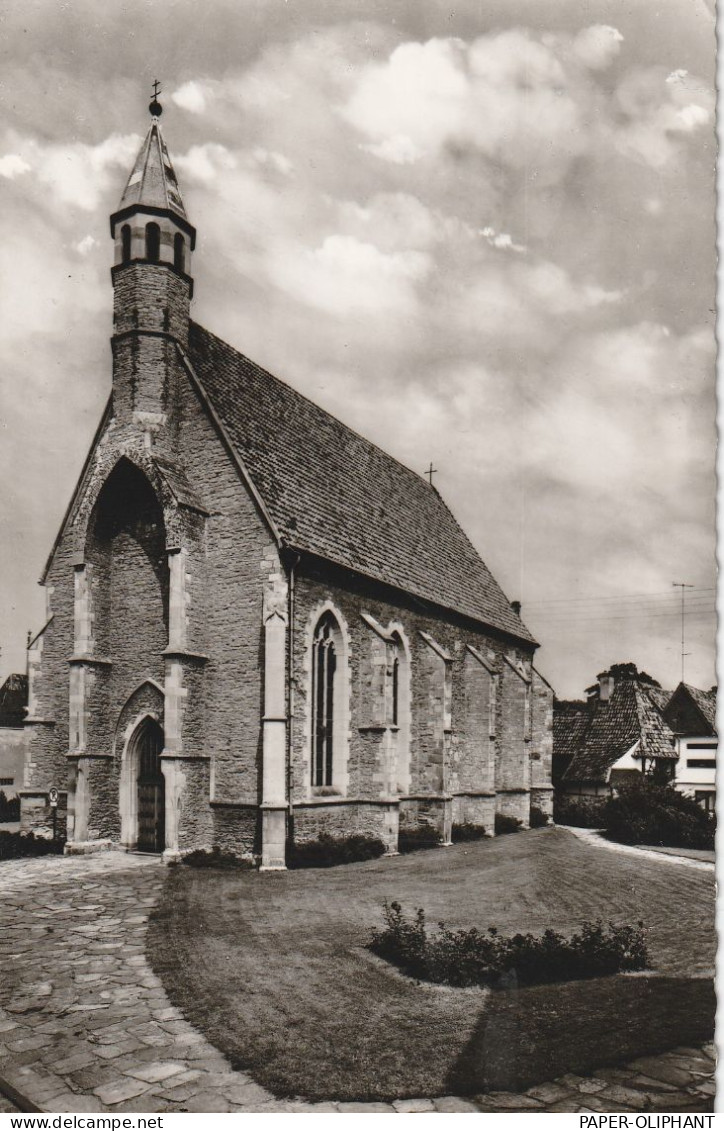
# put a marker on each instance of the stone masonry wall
(463, 767)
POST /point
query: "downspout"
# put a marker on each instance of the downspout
(290, 693)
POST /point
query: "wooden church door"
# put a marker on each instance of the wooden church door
(151, 791)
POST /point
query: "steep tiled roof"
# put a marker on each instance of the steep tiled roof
(632, 714)
(13, 700)
(706, 702)
(153, 181)
(333, 494)
(570, 721)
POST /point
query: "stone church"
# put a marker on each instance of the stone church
(260, 627)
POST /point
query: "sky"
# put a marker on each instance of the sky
(481, 236)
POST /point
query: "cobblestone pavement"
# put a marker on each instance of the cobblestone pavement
(86, 1026)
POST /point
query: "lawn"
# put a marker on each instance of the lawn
(273, 969)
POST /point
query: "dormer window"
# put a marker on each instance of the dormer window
(153, 242)
(126, 244)
(179, 253)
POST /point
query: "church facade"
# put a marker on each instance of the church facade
(260, 627)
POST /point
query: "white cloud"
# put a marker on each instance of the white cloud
(347, 276)
(203, 163)
(86, 245)
(192, 96)
(501, 240)
(12, 165)
(597, 46)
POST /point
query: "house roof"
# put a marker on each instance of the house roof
(691, 710)
(570, 722)
(331, 493)
(705, 701)
(13, 700)
(631, 715)
(153, 181)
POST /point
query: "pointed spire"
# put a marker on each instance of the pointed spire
(153, 181)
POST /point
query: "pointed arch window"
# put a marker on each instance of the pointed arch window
(324, 669)
(126, 243)
(153, 242)
(179, 253)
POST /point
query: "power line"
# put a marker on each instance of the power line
(653, 594)
(702, 614)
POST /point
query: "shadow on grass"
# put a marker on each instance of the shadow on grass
(530, 1035)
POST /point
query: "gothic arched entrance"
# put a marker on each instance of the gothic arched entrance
(150, 786)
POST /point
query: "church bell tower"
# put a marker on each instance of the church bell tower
(152, 283)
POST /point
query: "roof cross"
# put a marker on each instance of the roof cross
(430, 472)
(155, 107)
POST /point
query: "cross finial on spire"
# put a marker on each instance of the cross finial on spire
(430, 472)
(155, 106)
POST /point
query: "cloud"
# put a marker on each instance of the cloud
(597, 46)
(347, 276)
(76, 174)
(12, 165)
(86, 245)
(192, 96)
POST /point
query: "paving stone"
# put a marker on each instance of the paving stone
(648, 1084)
(661, 1070)
(371, 1107)
(238, 1093)
(512, 1101)
(408, 1107)
(452, 1104)
(618, 1094)
(548, 1093)
(591, 1084)
(207, 1102)
(155, 1072)
(69, 1102)
(120, 1091)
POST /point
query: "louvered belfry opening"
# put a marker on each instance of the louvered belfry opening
(324, 668)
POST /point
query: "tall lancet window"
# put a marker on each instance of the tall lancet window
(153, 242)
(324, 669)
(126, 243)
(179, 253)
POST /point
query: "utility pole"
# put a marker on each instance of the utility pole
(682, 585)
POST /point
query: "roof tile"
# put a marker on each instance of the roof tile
(333, 494)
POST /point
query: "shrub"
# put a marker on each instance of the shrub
(417, 838)
(328, 851)
(538, 819)
(645, 812)
(582, 812)
(215, 858)
(9, 808)
(506, 824)
(468, 831)
(473, 958)
(15, 845)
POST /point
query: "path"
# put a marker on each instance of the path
(86, 1026)
(703, 861)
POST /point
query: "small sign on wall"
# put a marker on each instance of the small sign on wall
(53, 797)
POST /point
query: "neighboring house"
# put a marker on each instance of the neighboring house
(691, 715)
(616, 732)
(13, 701)
(260, 626)
(630, 725)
